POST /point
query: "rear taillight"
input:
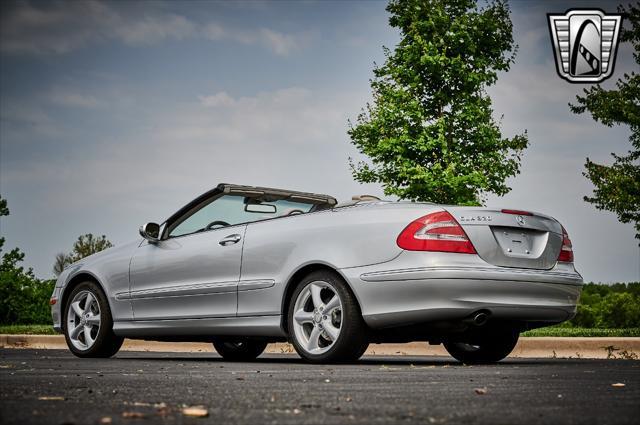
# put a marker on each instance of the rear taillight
(566, 253)
(437, 231)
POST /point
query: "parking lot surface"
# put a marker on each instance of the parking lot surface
(54, 387)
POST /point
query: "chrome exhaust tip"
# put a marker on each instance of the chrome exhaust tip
(479, 318)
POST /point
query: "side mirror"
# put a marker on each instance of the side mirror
(151, 232)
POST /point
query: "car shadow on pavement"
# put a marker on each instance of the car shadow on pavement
(365, 361)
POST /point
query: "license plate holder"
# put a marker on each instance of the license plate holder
(514, 241)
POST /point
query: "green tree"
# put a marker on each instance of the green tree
(619, 310)
(85, 246)
(23, 298)
(586, 317)
(4, 210)
(430, 134)
(608, 306)
(88, 244)
(617, 186)
(62, 260)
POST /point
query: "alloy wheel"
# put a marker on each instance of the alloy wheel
(317, 317)
(83, 320)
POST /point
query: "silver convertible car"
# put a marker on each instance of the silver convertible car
(243, 266)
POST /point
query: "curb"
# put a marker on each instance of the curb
(528, 347)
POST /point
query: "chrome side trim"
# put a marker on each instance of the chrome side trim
(248, 285)
(121, 296)
(183, 290)
(474, 273)
(199, 289)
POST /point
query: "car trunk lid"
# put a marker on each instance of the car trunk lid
(510, 238)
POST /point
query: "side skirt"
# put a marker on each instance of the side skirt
(259, 326)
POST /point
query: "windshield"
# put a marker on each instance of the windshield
(228, 210)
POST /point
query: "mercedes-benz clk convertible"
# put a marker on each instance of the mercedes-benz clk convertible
(243, 266)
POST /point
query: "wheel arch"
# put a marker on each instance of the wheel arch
(296, 277)
(76, 280)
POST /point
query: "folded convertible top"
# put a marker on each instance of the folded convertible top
(276, 194)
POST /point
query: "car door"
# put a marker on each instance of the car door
(193, 271)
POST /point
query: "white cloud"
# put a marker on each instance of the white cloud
(63, 27)
(72, 99)
(150, 30)
(292, 137)
(213, 31)
(216, 100)
(280, 43)
(17, 115)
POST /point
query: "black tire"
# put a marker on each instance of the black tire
(240, 350)
(364, 347)
(106, 342)
(353, 338)
(489, 349)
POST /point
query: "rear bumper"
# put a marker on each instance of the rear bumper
(430, 293)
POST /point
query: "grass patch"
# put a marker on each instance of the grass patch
(585, 332)
(27, 329)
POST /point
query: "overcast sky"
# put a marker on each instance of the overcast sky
(114, 114)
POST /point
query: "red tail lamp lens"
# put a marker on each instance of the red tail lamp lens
(566, 253)
(437, 231)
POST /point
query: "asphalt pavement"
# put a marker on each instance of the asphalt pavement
(54, 387)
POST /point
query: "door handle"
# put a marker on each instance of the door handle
(230, 240)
